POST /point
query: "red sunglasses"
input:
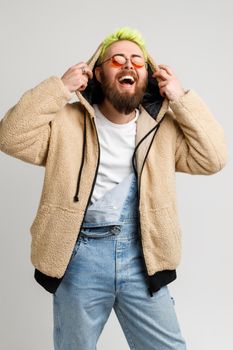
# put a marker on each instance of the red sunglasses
(119, 60)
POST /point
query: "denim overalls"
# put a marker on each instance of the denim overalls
(106, 272)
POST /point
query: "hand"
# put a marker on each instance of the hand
(169, 85)
(74, 78)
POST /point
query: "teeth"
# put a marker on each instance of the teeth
(127, 77)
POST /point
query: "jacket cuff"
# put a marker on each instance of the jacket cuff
(188, 100)
(62, 89)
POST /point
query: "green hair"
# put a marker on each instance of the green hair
(124, 33)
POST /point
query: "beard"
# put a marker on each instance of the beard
(126, 102)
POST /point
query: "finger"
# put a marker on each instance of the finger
(162, 83)
(162, 92)
(79, 65)
(82, 87)
(85, 70)
(83, 79)
(89, 72)
(76, 66)
(168, 70)
(162, 74)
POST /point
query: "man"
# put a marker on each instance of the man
(107, 234)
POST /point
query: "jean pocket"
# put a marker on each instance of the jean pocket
(76, 247)
(97, 232)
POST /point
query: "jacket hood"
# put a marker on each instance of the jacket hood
(152, 100)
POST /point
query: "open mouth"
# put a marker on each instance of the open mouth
(126, 80)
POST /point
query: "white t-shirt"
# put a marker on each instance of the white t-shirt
(117, 144)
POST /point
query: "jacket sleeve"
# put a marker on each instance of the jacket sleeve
(201, 146)
(25, 128)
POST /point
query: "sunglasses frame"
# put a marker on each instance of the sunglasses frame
(127, 59)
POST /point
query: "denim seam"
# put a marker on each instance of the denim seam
(120, 314)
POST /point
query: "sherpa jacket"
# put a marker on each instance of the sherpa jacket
(44, 129)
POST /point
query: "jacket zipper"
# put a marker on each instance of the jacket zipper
(94, 181)
(139, 188)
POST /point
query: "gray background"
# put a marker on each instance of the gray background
(44, 38)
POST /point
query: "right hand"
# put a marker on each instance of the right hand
(74, 79)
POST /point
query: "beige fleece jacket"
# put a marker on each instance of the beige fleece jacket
(44, 129)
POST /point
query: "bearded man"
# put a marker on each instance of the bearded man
(107, 234)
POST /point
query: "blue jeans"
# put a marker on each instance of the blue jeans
(107, 271)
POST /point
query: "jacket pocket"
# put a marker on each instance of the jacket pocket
(54, 233)
(161, 234)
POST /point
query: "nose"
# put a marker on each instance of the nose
(128, 64)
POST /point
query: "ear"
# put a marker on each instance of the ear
(97, 74)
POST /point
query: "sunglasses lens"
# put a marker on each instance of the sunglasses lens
(118, 60)
(138, 62)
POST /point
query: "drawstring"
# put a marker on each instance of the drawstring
(76, 198)
(135, 150)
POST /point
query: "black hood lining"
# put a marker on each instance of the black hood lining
(152, 100)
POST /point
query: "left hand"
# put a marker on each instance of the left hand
(169, 85)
